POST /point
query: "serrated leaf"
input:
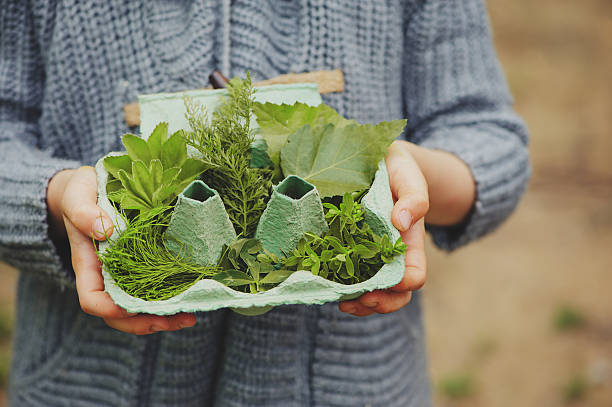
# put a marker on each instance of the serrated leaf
(174, 151)
(157, 139)
(137, 148)
(113, 164)
(277, 122)
(338, 160)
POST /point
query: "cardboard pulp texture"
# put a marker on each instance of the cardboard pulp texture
(199, 225)
(292, 210)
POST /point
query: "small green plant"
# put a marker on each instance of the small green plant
(568, 318)
(225, 145)
(338, 156)
(575, 389)
(261, 268)
(153, 172)
(458, 386)
(350, 252)
(140, 263)
(316, 143)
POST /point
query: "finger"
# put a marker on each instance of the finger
(415, 259)
(180, 321)
(408, 186)
(385, 301)
(144, 324)
(79, 205)
(89, 281)
(355, 308)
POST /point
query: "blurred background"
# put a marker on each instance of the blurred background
(524, 316)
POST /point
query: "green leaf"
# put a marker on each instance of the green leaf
(276, 276)
(277, 122)
(131, 188)
(336, 243)
(174, 151)
(115, 163)
(233, 278)
(141, 179)
(164, 194)
(157, 139)
(169, 175)
(156, 170)
(338, 160)
(192, 168)
(350, 268)
(133, 202)
(259, 155)
(137, 148)
(113, 185)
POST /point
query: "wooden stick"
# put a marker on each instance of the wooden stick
(327, 81)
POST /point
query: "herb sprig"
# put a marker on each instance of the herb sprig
(143, 267)
(350, 252)
(224, 144)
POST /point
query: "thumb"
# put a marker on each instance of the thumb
(79, 205)
(408, 186)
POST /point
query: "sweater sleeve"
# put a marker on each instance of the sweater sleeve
(456, 100)
(25, 170)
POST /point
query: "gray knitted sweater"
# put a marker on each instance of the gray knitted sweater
(66, 70)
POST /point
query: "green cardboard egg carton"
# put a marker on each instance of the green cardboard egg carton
(200, 227)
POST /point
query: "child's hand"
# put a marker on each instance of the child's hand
(71, 201)
(410, 191)
(423, 182)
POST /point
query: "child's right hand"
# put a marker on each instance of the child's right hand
(73, 213)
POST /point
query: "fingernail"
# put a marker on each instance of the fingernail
(370, 304)
(98, 228)
(186, 323)
(405, 220)
(129, 314)
(157, 328)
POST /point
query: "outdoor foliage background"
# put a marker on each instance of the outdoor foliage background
(523, 317)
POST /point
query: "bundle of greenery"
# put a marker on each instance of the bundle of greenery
(338, 156)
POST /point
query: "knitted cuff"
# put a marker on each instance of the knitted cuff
(24, 232)
(499, 164)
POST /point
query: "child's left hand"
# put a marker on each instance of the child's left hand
(410, 192)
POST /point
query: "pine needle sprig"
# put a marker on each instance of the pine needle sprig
(224, 144)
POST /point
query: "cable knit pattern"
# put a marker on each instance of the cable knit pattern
(66, 70)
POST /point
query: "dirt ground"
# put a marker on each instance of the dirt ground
(495, 309)
(523, 317)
